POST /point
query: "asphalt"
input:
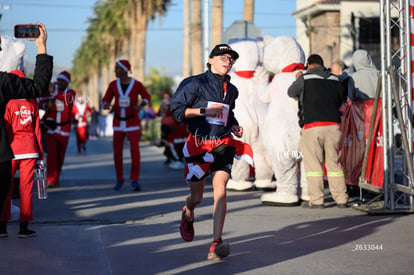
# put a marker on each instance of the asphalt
(85, 227)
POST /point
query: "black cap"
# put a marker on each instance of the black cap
(221, 49)
(315, 59)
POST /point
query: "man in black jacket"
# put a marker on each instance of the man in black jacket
(12, 86)
(320, 95)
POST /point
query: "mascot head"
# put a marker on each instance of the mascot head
(281, 52)
(249, 55)
(11, 54)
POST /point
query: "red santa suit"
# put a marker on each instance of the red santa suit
(59, 120)
(81, 111)
(180, 137)
(173, 134)
(23, 128)
(126, 122)
(43, 105)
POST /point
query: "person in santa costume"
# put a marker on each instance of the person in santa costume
(165, 104)
(12, 87)
(58, 121)
(43, 105)
(23, 128)
(126, 122)
(173, 136)
(81, 113)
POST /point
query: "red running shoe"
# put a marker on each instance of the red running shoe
(186, 228)
(218, 250)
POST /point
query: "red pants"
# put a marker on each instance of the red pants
(80, 137)
(118, 145)
(56, 150)
(26, 167)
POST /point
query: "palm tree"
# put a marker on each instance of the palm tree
(248, 14)
(105, 33)
(118, 29)
(217, 23)
(196, 38)
(187, 39)
(114, 35)
(86, 63)
(141, 12)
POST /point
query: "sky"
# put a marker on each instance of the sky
(67, 21)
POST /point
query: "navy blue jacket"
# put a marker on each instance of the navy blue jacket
(195, 92)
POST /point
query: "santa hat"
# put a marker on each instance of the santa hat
(19, 73)
(79, 98)
(124, 64)
(64, 76)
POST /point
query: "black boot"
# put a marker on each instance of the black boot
(25, 232)
(3, 229)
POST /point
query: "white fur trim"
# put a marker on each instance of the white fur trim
(122, 66)
(208, 157)
(194, 170)
(63, 77)
(245, 158)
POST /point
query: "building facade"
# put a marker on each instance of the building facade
(334, 29)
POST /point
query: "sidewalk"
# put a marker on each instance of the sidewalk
(85, 227)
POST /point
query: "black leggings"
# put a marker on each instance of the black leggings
(5, 181)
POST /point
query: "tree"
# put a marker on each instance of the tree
(156, 83)
(248, 13)
(141, 12)
(217, 23)
(105, 35)
(187, 40)
(196, 38)
(117, 29)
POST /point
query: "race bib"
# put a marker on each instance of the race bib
(124, 102)
(220, 118)
(60, 105)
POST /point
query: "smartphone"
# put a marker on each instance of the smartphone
(26, 31)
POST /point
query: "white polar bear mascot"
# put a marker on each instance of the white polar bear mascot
(281, 133)
(11, 58)
(250, 112)
(11, 55)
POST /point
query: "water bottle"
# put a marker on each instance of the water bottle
(41, 183)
